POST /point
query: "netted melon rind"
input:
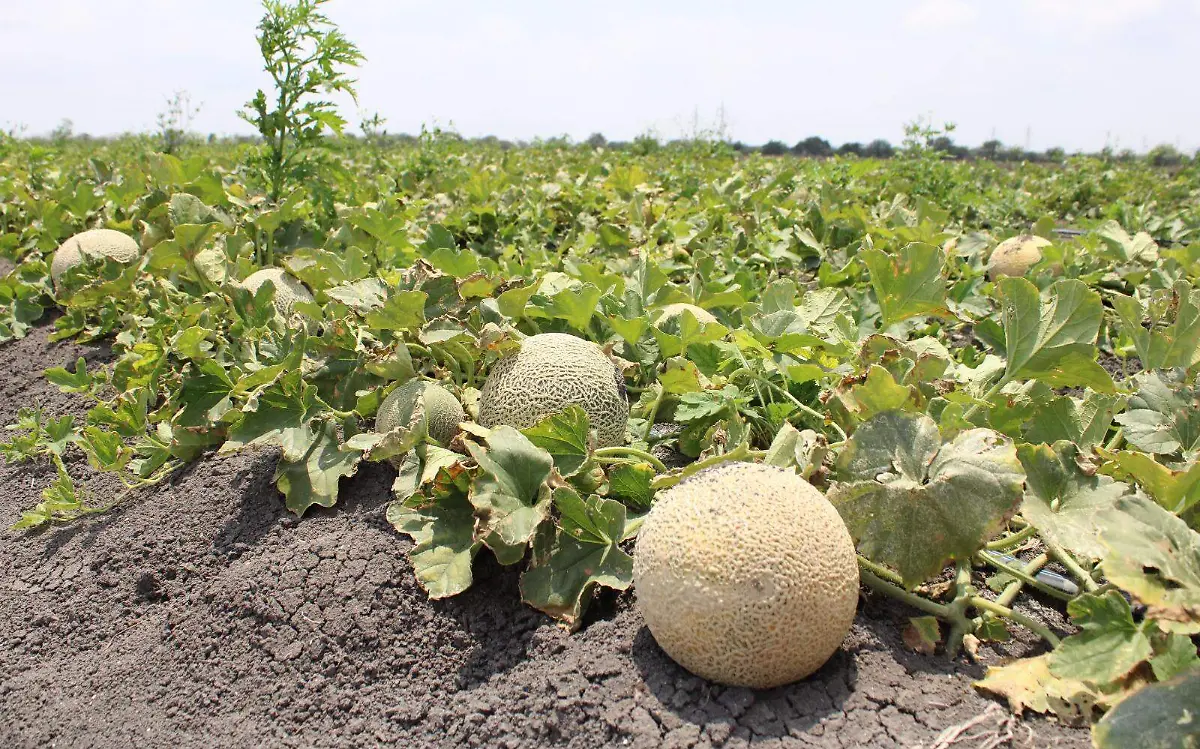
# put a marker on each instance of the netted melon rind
(746, 575)
(550, 372)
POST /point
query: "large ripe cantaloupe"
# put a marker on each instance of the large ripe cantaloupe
(288, 289)
(746, 575)
(550, 372)
(93, 244)
(1016, 255)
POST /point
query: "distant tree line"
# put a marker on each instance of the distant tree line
(813, 147)
(991, 150)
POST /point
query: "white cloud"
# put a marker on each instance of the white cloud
(940, 15)
(1088, 17)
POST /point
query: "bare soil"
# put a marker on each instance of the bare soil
(202, 614)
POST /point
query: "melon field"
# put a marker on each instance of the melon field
(986, 372)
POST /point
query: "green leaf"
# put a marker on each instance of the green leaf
(1173, 339)
(1084, 422)
(879, 393)
(78, 381)
(405, 310)
(565, 436)
(310, 475)
(630, 483)
(1156, 557)
(510, 494)
(361, 296)
(193, 342)
(802, 450)
(277, 416)
(908, 283)
(1054, 342)
(1164, 416)
(105, 450)
(1064, 502)
(1177, 491)
(569, 562)
(453, 262)
(442, 530)
(575, 306)
(1109, 644)
(914, 503)
(1159, 716)
(1175, 655)
(204, 394)
(512, 302)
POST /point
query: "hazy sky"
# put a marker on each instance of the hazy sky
(1071, 73)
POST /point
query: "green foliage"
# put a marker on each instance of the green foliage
(306, 57)
(961, 426)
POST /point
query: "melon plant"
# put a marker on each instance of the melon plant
(746, 575)
(550, 372)
(93, 244)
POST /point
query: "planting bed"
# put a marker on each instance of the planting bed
(203, 614)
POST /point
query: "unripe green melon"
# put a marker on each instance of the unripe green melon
(442, 411)
(746, 575)
(288, 289)
(92, 244)
(550, 372)
(1016, 255)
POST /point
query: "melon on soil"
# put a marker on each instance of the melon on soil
(746, 575)
(93, 244)
(549, 373)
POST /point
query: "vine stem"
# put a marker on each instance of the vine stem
(1063, 557)
(1117, 437)
(618, 454)
(955, 612)
(879, 585)
(1009, 594)
(1012, 539)
(741, 452)
(653, 413)
(1028, 623)
(799, 405)
(987, 397)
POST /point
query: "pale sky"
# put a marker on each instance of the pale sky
(1071, 73)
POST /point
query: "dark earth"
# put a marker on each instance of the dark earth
(201, 613)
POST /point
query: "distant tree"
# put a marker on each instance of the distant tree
(596, 140)
(646, 143)
(945, 144)
(1055, 155)
(991, 149)
(1165, 155)
(847, 149)
(740, 147)
(64, 132)
(774, 148)
(813, 146)
(879, 149)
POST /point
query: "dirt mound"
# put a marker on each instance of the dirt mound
(203, 614)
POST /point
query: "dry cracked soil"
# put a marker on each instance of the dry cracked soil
(202, 614)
